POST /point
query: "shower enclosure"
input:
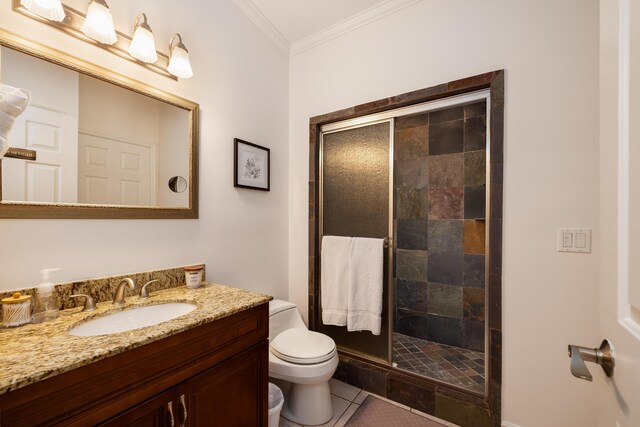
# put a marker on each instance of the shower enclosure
(423, 170)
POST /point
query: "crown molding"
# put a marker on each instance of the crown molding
(261, 21)
(366, 17)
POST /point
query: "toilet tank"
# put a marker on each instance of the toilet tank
(283, 315)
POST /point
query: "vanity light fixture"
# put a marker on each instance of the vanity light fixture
(179, 64)
(50, 9)
(98, 24)
(143, 45)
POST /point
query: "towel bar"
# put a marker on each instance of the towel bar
(387, 241)
(20, 153)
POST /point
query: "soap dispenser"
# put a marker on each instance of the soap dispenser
(46, 307)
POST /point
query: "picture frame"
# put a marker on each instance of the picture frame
(252, 166)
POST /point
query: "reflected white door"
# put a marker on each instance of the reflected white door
(115, 172)
(620, 210)
(52, 177)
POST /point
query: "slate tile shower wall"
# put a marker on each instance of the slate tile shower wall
(439, 220)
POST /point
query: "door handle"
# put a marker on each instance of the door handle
(603, 356)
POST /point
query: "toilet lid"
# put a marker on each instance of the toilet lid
(302, 346)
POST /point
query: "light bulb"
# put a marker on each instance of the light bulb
(179, 64)
(98, 24)
(50, 9)
(143, 46)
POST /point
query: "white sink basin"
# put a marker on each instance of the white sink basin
(135, 318)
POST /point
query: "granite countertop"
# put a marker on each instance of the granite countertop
(32, 353)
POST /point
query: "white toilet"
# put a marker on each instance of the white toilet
(305, 360)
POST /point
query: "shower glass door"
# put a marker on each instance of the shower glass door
(355, 202)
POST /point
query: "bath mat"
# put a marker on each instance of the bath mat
(374, 412)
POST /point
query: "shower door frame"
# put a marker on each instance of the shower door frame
(390, 116)
(481, 410)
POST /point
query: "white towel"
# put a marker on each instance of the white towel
(13, 102)
(364, 305)
(334, 276)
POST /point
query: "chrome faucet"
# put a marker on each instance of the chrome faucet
(89, 304)
(144, 292)
(118, 297)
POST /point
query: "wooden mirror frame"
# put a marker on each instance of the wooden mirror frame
(26, 210)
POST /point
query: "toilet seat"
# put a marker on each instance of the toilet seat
(302, 346)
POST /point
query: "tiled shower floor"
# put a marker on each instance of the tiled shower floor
(453, 365)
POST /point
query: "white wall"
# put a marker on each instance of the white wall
(114, 112)
(241, 84)
(549, 50)
(21, 70)
(173, 154)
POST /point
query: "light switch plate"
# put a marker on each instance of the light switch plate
(574, 240)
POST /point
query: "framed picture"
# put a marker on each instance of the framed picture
(252, 166)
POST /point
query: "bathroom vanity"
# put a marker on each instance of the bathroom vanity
(208, 367)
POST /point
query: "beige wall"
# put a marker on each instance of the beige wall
(241, 84)
(549, 50)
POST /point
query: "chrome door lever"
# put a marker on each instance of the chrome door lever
(603, 356)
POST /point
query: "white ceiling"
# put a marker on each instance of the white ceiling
(297, 19)
(297, 25)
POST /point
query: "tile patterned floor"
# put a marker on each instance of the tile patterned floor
(454, 365)
(377, 412)
(346, 400)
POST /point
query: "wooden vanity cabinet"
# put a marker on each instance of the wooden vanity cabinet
(224, 395)
(212, 375)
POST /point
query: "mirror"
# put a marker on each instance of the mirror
(106, 146)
